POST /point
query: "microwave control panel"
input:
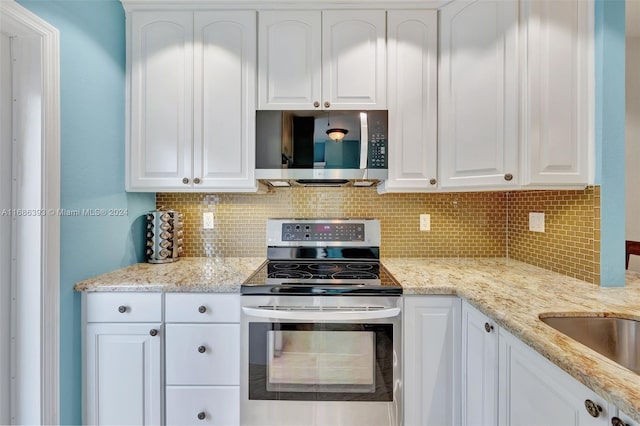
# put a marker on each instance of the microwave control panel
(377, 151)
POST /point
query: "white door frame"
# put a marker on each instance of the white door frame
(16, 21)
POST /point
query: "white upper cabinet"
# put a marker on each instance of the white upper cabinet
(354, 62)
(289, 46)
(224, 123)
(412, 42)
(192, 92)
(555, 103)
(322, 60)
(478, 94)
(160, 61)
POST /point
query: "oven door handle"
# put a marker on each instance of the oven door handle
(312, 315)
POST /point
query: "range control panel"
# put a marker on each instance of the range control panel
(322, 232)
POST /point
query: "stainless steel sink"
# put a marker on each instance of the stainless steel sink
(616, 338)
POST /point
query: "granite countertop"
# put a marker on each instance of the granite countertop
(197, 274)
(512, 293)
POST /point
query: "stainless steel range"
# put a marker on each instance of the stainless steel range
(321, 328)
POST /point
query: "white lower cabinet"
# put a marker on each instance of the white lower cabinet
(134, 363)
(123, 359)
(202, 354)
(203, 359)
(431, 360)
(534, 391)
(625, 419)
(203, 405)
(479, 383)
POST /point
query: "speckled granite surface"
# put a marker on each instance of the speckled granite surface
(514, 294)
(198, 274)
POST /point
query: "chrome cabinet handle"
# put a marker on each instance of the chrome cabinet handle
(202, 309)
(488, 327)
(327, 104)
(122, 309)
(185, 180)
(196, 181)
(593, 409)
(202, 415)
(202, 349)
(153, 332)
(432, 181)
(508, 177)
(616, 421)
(316, 104)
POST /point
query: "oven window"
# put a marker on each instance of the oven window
(327, 362)
(305, 361)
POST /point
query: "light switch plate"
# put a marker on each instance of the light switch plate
(536, 222)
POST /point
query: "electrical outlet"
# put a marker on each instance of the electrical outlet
(425, 222)
(536, 222)
(207, 220)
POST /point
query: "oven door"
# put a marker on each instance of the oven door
(321, 360)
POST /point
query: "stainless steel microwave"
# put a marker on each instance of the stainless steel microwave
(321, 145)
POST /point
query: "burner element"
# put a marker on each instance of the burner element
(323, 267)
(360, 266)
(285, 265)
(291, 274)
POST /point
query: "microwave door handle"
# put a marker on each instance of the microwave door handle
(364, 141)
(302, 315)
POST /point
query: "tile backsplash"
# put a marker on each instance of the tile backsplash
(465, 224)
(570, 244)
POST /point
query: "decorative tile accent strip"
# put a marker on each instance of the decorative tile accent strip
(469, 224)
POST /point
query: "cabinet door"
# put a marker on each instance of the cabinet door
(626, 419)
(203, 354)
(478, 94)
(224, 123)
(161, 69)
(555, 103)
(432, 360)
(354, 59)
(412, 94)
(534, 391)
(289, 60)
(203, 405)
(479, 368)
(123, 374)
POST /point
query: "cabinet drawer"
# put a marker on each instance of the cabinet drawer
(202, 307)
(124, 307)
(203, 405)
(203, 354)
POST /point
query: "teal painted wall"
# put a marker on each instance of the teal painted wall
(610, 137)
(92, 74)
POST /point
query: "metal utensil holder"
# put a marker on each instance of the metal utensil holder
(164, 236)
